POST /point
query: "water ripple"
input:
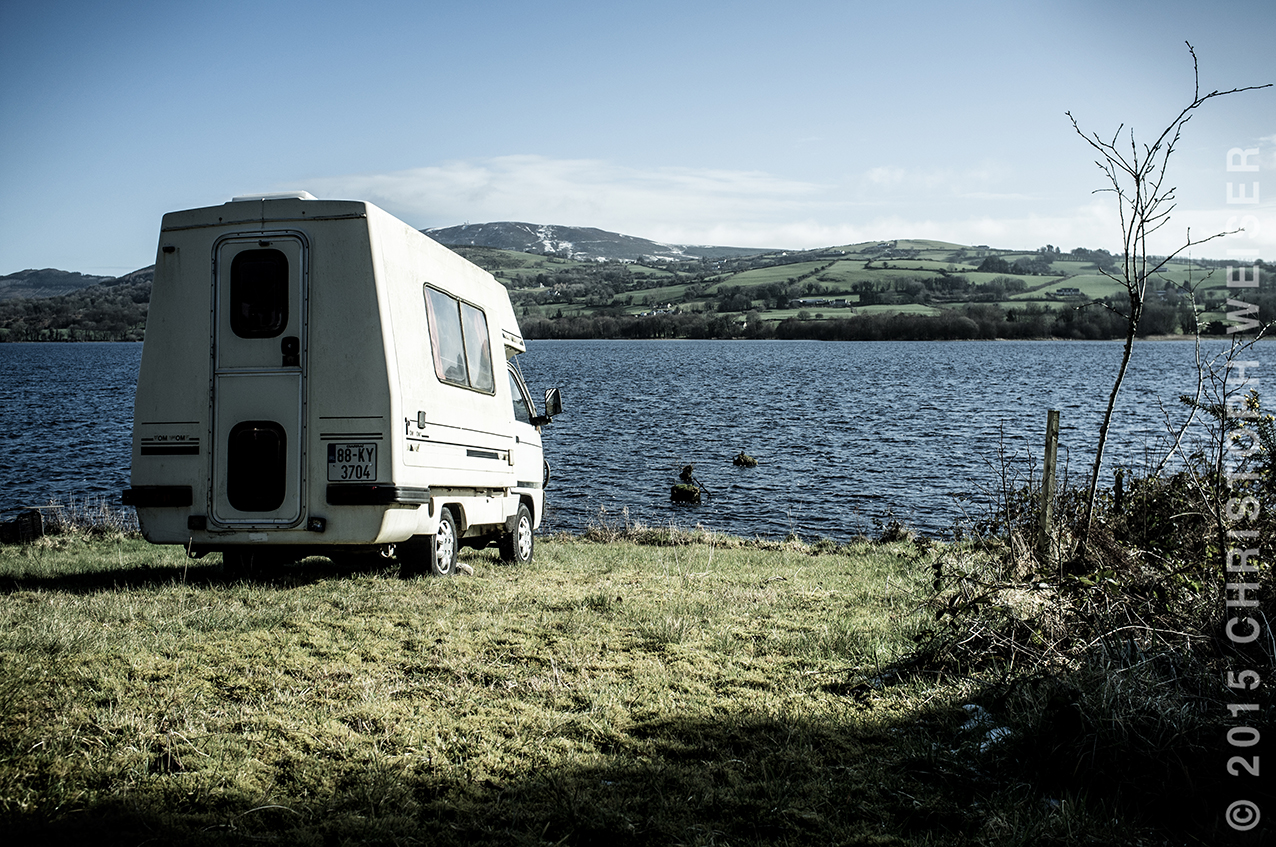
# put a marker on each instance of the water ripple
(845, 433)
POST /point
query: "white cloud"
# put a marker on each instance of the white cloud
(660, 203)
(747, 208)
(985, 182)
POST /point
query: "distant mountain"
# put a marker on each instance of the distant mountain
(46, 282)
(577, 242)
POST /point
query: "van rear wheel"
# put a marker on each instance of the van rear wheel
(443, 547)
(249, 563)
(432, 554)
(236, 564)
(518, 546)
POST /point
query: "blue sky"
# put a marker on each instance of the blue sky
(795, 124)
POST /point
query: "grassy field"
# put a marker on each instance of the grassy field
(630, 687)
(762, 276)
(835, 273)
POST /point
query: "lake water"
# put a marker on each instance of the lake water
(845, 433)
(66, 421)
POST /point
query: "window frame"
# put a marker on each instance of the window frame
(519, 394)
(254, 292)
(468, 344)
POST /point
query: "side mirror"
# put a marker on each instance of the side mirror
(553, 406)
(553, 402)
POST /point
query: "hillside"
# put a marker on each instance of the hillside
(576, 282)
(899, 289)
(47, 282)
(110, 309)
(579, 243)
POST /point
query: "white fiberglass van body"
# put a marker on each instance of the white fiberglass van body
(320, 377)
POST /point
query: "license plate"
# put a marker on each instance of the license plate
(352, 462)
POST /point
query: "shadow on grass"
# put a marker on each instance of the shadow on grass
(683, 780)
(203, 573)
(680, 781)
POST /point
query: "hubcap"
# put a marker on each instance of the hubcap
(445, 545)
(524, 539)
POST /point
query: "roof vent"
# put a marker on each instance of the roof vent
(282, 195)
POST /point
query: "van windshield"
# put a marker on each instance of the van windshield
(522, 406)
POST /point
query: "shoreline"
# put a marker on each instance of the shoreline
(1050, 339)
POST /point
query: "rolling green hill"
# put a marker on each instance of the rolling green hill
(907, 288)
(1049, 293)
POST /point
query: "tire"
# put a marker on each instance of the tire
(414, 555)
(444, 546)
(249, 563)
(236, 564)
(519, 545)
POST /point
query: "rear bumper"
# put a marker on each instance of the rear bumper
(375, 494)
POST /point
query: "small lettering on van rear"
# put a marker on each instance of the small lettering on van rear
(352, 462)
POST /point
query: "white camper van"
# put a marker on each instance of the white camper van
(318, 377)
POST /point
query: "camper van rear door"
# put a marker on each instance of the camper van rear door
(258, 391)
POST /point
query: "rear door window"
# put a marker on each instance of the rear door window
(257, 466)
(259, 293)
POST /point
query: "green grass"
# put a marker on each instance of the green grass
(828, 312)
(688, 689)
(902, 309)
(763, 276)
(1093, 286)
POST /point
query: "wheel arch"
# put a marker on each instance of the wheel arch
(524, 500)
(458, 516)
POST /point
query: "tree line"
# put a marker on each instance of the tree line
(112, 311)
(697, 285)
(1094, 321)
(116, 310)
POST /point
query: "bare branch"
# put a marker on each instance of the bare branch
(1145, 203)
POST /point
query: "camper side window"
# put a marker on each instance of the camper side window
(460, 342)
(478, 349)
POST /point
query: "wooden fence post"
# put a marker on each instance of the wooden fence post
(1045, 534)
